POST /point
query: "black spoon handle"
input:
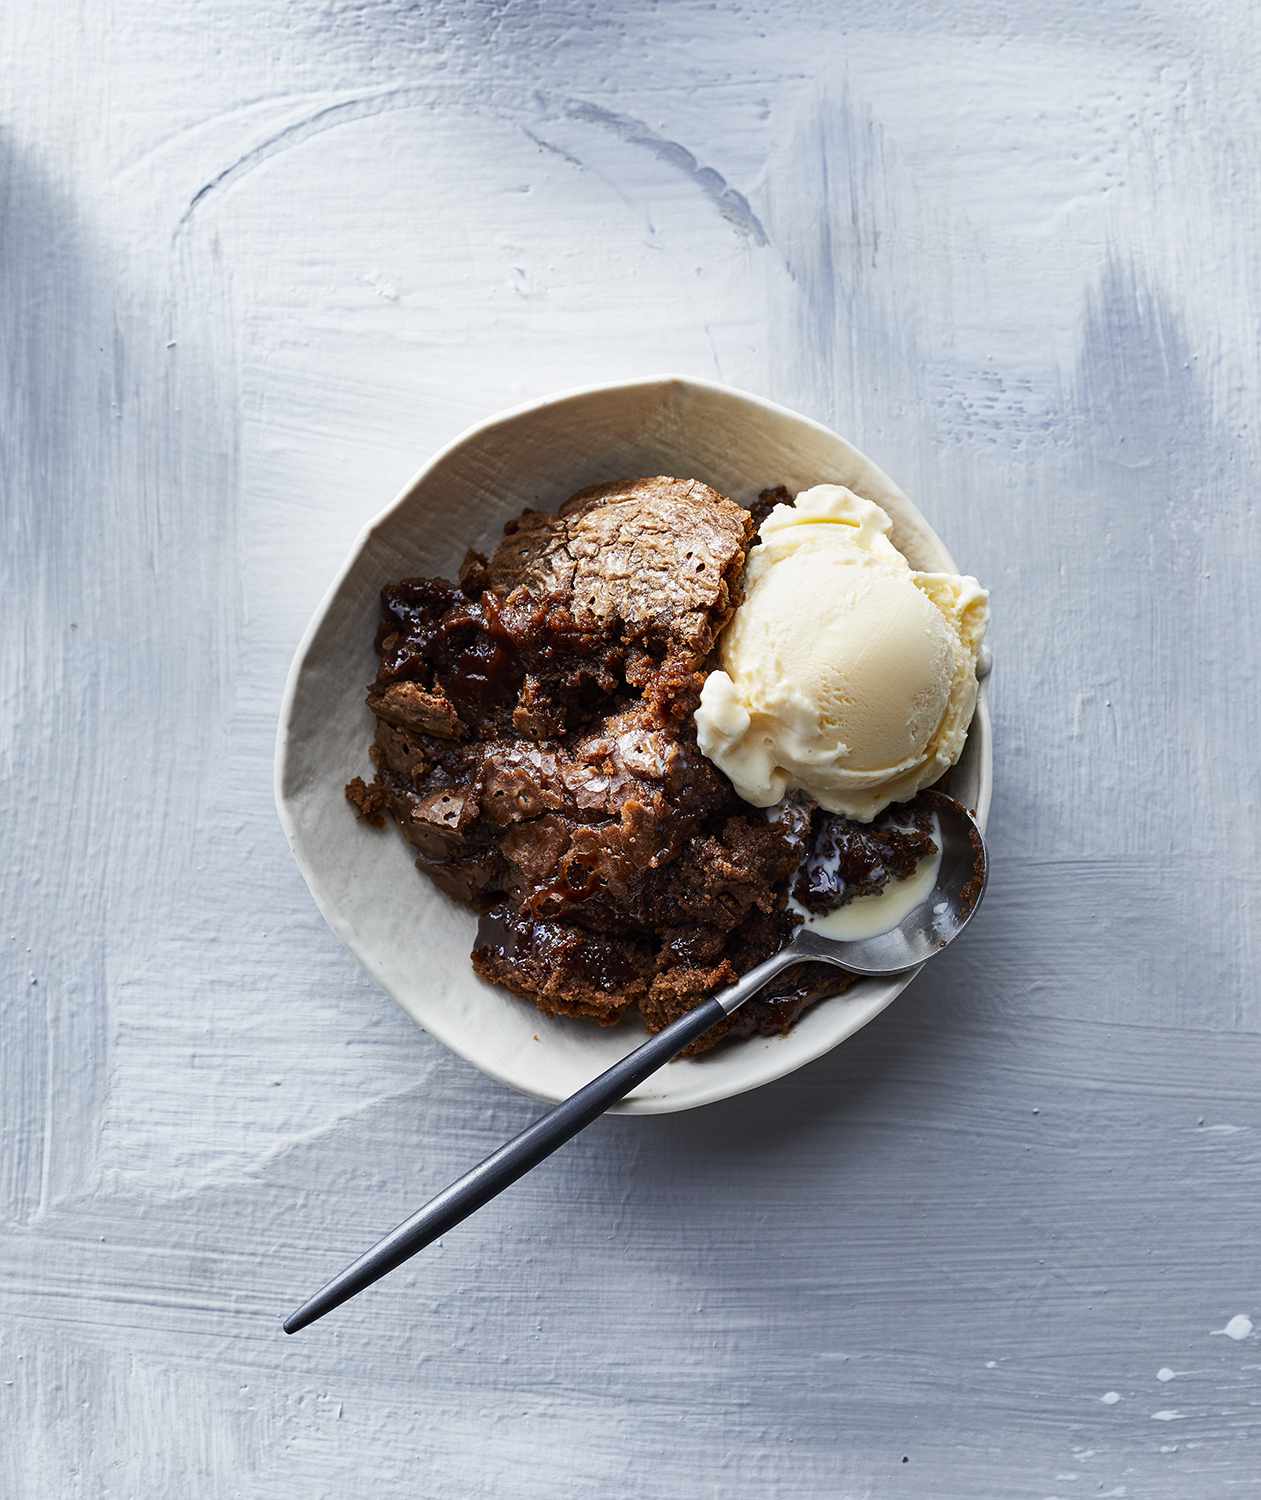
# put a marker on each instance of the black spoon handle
(502, 1168)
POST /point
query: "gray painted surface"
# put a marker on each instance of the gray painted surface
(256, 261)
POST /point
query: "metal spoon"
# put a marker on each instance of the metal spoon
(924, 931)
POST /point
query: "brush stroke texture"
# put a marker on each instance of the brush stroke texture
(253, 269)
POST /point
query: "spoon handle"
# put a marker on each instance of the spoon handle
(535, 1143)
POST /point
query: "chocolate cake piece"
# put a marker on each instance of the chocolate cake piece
(535, 745)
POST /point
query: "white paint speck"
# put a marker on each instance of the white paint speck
(1168, 1416)
(1239, 1327)
(1110, 1398)
(382, 286)
(1165, 1373)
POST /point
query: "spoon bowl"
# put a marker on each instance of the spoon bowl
(926, 929)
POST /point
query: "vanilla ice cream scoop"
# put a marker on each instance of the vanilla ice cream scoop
(845, 674)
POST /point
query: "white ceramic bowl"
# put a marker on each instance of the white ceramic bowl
(410, 937)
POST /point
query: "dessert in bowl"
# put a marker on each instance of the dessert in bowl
(537, 706)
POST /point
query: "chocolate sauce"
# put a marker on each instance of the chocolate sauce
(848, 859)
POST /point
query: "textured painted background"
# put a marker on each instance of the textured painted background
(259, 257)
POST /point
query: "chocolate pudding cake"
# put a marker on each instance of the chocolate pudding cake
(535, 743)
